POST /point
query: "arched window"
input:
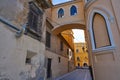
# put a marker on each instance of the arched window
(100, 31)
(73, 10)
(60, 13)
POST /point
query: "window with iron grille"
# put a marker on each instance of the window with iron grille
(48, 39)
(35, 18)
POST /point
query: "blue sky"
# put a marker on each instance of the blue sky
(59, 1)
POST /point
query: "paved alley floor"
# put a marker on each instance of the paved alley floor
(78, 74)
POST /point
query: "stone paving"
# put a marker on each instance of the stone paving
(78, 74)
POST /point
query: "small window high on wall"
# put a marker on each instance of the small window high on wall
(60, 13)
(73, 10)
(100, 31)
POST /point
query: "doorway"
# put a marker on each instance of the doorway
(49, 71)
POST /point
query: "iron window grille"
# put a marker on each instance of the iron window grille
(48, 39)
(35, 19)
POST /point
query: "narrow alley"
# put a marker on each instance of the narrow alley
(78, 74)
(59, 39)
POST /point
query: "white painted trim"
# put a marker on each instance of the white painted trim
(106, 11)
(104, 49)
(91, 15)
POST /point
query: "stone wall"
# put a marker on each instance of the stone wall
(60, 63)
(13, 10)
(57, 68)
(14, 51)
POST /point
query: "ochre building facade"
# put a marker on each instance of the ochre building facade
(81, 55)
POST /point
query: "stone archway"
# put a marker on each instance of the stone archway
(60, 28)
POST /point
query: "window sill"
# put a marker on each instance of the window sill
(33, 34)
(73, 15)
(103, 49)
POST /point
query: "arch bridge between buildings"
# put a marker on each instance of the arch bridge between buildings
(60, 28)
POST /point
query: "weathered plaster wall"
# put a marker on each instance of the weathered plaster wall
(13, 50)
(13, 10)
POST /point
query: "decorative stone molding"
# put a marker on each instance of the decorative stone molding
(106, 14)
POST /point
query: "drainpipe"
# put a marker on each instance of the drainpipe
(19, 32)
(8, 23)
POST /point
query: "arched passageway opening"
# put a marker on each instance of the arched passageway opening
(57, 30)
(60, 28)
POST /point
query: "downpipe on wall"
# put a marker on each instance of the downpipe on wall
(19, 32)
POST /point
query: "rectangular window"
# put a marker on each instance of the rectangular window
(29, 57)
(28, 61)
(67, 51)
(48, 39)
(61, 45)
(77, 50)
(78, 59)
(35, 18)
(59, 59)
